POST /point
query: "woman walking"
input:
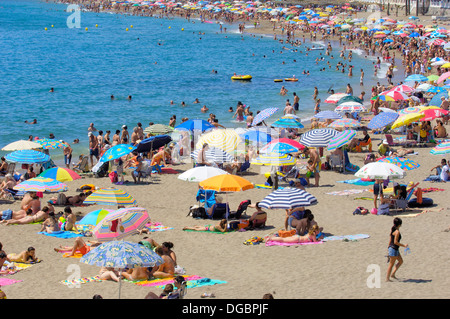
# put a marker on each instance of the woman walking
(393, 252)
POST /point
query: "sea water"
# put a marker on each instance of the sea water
(156, 61)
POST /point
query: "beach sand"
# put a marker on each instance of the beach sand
(336, 269)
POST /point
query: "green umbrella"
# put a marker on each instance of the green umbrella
(158, 129)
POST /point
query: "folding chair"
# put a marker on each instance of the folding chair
(336, 162)
(402, 203)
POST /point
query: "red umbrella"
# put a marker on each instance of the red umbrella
(433, 113)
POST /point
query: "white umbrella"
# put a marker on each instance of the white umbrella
(198, 174)
(21, 145)
(380, 170)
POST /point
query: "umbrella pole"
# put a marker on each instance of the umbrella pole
(120, 280)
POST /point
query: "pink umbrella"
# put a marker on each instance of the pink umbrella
(403, 88)
(396, 95)
(443, 77)
(433, 113)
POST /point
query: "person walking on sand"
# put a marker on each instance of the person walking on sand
(393, 252)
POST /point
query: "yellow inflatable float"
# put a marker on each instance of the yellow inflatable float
(242, 77)
(278, 80)
(291, 79)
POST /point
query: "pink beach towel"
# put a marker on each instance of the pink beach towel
(8, 281)
(276, 243)
(163, 282)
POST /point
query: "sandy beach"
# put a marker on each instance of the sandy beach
(330, 270)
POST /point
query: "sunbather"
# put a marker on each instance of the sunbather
(167, 269)
(28, 256)
(69, 220)
(9, 214)
(259, 217)
(50, 224)
(109, 273)
(78, 247)
(31, 200)
(222, 227)
(137, 273)
(30, 218)
(7, 186)
(310, 237)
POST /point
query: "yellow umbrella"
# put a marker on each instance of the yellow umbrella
(225, 139)
(445, 65)
(407, 119)
(226, 183)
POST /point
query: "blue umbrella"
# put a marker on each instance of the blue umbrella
(328, 115)
(435, 89)
(116, 152)
(280, 148)
(191, 125)
(416, 77)
(264, 114)
(414, 35)
(382, 119)
(288, 122)
(27, 157)
(436, 100)
(388, 41)
(318, 137)
(256, 136)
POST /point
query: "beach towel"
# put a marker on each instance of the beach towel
(8, 281)
(276, 243)
(347, 192)
(266, 186)
(357, 181)
(191, 282)
(79, 281)
(364, 198)
(17, 267)
(154, 227)
(208, 231)
(62, 234)
(346, 237)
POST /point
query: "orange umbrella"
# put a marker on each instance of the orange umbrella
(226, 183)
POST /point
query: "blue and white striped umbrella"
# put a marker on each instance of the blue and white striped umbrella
(214, 154)
(416, 77)
(264, 114)
(288, 122)
(27, 157)
(318, 137)
(287, 198)
(381, 120)
(328, 115)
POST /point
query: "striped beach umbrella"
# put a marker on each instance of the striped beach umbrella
(349, 98)
(416, 77)
(289, 141)
(350, 107)
(274, 159)
(121, 223)
(214, 155)
(288, 198)
(403, 88)
(158, 129)
(407, 119)
(21, 145)
(94, 217)
(288, 122)
(110, 196)
(50, 144)
(27, 157)
(441, 149)
(328, 115)
(264, 114)
(318, 137)
(380, 170)
(41, 184)
(381, 120)
(341, 139)
(225, 139)
(409, 110)
(404, 163)
(60, 174)
(394, 95)
(345, 123)
(334, 98)
(443, 77)
(116, 152)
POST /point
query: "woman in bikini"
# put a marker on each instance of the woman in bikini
(309, 238)
(78, 247)
(51, 224)
(222, 227)
(28, 256)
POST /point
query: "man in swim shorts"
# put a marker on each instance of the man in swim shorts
(296, 101)
(316, 163)
(93, 148)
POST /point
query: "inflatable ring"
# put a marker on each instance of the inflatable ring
(242, 77)
(426, 202)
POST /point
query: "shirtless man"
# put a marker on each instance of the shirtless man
(116, 138)
(315, 157)
(283, 91)
(167, 269)
(134, 136)
(289, 110)
(91, 128)
(296, 101)
(30, 218)
(67, 151)
(137, 273)
(31, 200)
(93, 148)
(136, 174)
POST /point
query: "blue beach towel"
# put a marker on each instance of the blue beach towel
(61, 234)
(357, 181)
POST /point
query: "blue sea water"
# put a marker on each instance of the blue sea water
(155, 61)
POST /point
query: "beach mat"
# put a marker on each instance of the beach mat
(346, 237)
(265, 186)
(8, 281)
(154, 227)
(79, 281)
(276, 243)
(348, 192)
(17, 267)
(207, 231)
(191, 282)
(62, 234)
(357, 181)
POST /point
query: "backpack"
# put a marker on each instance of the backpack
(113, 177)
(197, 212)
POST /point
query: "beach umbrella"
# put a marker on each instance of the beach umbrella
(121, 223)
(403, 88)
(41, 184)
(274, 159)
(349, 98)
(441, 149)
(110, 196)
(423, 87)
(380, 170)
(395, 95)
(214, 155)
(196, 124)
(288, 122)
(409, 110)
(225, 139)
(27, 157)
(289, 141)
(328, 115)
(443, 77)
(416, 77)
(386, 109)
(345, 123)
(263, 115)
(334, 98)
(437, 99)
(153, 143)
(121, 254)
(381, 120)
(341, 139)
(407, 119)
(403, 163)
(288, 198)
(436, 89)
(94, 217)
(200, 173)
(259, 137)
(226, 183)
(117, 151)
(21, 145)
(60, 174)
(318, 137)
(50, 144)
(350, 107)
(274, 133)
(281, 148)
(158, 129)
(431, 114)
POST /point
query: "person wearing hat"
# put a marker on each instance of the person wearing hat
(384, 149)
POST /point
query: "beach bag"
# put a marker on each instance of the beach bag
(197, 212)
(61, 199)
(360, 211)
(113, 177)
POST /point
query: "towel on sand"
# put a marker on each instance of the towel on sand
(346, 237)
(7, 281)
(81, 280)
(154, 227)
(347, 192)
(17, 267)
(62, 234)
(276, 243)
(357, 181)
(191, 282)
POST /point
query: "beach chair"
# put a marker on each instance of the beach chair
(146, 171)
(337, 163)
(218, 211)
(242, 208)
(84, 166)
(368, 144)
(206, 197)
